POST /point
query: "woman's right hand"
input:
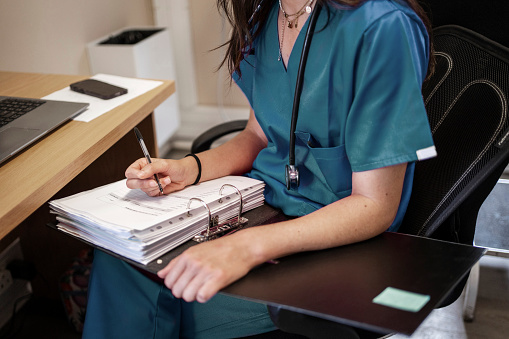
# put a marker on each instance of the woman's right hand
(173, 175)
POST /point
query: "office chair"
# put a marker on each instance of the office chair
(467, 104)
(466, 101)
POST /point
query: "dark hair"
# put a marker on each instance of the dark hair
(239, 13)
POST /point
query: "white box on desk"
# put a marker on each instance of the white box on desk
(150, 58)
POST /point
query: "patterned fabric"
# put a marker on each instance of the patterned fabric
(74, 288)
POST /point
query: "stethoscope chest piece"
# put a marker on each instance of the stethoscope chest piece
(292, 177)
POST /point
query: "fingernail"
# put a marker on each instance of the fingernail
(153, 184)
(200, 299)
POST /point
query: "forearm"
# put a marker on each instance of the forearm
(201, 271)
(369, 211)
(350, 220)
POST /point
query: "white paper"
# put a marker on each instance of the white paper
(143, 228)
(97, 107)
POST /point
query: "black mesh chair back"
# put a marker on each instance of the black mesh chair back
(467, 105)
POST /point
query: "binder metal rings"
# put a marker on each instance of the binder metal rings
(214, 229)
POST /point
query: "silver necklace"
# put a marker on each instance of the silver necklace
(293, 21)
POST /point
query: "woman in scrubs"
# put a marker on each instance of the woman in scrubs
(362, 125)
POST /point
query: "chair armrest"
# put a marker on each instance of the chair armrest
(205, 140)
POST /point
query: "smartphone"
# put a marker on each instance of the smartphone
(98, 89)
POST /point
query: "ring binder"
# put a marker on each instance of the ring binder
(143, 228)
(216, 230)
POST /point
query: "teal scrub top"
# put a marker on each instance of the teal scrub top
(361, 106)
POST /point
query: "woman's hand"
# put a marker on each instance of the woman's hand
(173, 175)
(203, 270)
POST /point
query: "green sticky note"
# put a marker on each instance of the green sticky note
(400, 299)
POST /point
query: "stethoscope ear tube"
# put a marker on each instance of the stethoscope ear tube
(292, 173)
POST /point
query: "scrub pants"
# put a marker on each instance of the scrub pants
(123, 303)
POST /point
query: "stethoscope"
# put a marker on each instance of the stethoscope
(291, 171)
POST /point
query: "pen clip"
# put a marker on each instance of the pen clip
(147, 156)
(142, 144)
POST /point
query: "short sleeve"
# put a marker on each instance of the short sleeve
(245, 82)
(387, 122)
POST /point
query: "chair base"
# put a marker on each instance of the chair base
(314, 327)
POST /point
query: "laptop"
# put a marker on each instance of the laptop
(24, 121)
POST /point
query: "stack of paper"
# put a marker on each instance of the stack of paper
(142, 228)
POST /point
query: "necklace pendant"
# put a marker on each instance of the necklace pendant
(290, 24)
(296, 22)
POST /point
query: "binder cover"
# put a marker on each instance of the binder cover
(340, 284)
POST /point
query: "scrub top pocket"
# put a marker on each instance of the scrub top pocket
(332, 172)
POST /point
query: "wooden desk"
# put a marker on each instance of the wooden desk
(75, 157)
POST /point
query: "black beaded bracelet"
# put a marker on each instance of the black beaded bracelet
(199, 166)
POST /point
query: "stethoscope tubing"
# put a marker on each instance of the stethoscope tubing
(291, 171)
(300, 80)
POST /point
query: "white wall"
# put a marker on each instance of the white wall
(206, 99)
(49, 36)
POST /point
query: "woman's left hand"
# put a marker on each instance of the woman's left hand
(203, 270)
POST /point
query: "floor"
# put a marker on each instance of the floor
(46, 319)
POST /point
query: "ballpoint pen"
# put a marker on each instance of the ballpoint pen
(145, 152)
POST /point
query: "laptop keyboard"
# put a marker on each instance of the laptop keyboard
(13, 108)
